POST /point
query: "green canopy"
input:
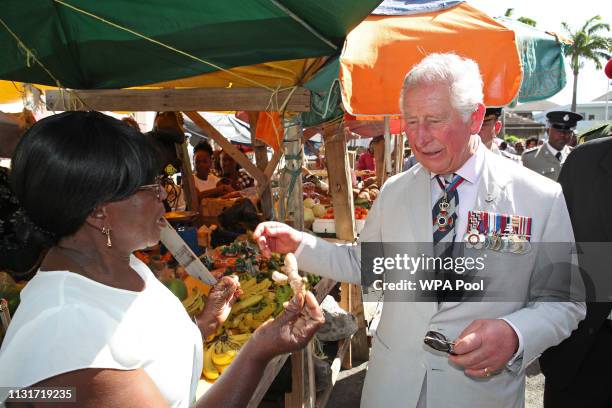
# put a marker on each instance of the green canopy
(86, 44)
(543, 61)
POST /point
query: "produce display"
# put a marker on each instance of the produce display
(266, 285)
(317, 208)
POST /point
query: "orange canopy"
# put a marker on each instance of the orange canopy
(381, 50)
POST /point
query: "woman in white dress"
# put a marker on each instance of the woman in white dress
(82, 195)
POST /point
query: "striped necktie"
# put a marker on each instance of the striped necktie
(444, 216)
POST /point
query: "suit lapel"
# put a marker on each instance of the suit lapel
(420, 223)
(420, 214)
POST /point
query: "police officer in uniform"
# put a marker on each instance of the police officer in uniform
(548, 158)
(491, 127)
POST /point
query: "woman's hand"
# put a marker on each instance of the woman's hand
(290, 331)
(219, 304)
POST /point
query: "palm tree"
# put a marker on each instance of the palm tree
(527, 20)
(587, 45)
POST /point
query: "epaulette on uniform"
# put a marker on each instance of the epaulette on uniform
(532, 150)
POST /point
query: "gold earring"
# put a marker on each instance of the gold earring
(107, 232)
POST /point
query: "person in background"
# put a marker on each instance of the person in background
(531, 142)
(85, 194)
(548, 158)
(578, 371)
(491, 126)
(366, 159)
(233, 174)
(131, 121)
(206, 183)
(518, 147)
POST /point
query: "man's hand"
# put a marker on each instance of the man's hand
(484, 347)
(274, 236)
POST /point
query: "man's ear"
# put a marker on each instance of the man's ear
(476, 119)
(498, 126)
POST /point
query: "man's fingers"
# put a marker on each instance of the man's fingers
(472, 327)
(474, 359)
(468, 343)
(479, 373)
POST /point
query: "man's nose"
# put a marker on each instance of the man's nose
(421, 134)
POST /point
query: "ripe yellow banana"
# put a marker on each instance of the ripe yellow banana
(248, 283)
(266, 312)
(247, 302)
(193, 296)
(258, 289)
(210, 371)
(224, 358)
(239, 338)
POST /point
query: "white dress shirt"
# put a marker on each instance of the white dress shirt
(471, 171)
(555, 151)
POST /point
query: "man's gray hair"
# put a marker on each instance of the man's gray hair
(460, 74)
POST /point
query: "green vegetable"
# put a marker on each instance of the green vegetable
(283, 294)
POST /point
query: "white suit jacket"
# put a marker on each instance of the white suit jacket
(400, 362)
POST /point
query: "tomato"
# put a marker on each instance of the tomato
(225, 262)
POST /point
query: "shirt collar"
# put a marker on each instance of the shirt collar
(552, 149)
(472, 168)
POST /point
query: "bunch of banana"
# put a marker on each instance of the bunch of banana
(219, 354)
(210, 372)
(251, 287)
(194, 303)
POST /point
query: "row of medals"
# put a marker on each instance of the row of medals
(505, 241)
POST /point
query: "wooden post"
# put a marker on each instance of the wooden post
(399, 153)
(188, 183)
(291, 184)
(291, 180)
(340, 186)
(345, 303)
(388, 167)
(261, 160)
(379, 158)
(360, 349)
(295, 399)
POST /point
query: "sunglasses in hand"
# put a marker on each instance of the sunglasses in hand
(438, 341)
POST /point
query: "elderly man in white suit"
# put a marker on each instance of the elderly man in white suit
(442, 104)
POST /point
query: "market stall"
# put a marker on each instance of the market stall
(118, 51)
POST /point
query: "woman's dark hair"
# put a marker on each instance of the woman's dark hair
(203, 146)
(62, 169)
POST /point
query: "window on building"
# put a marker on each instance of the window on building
(591, 117)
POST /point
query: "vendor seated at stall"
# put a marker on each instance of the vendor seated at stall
(207, 184)
(366, 159)
(234, 175)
